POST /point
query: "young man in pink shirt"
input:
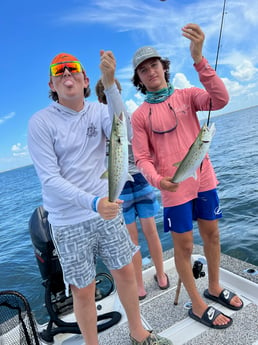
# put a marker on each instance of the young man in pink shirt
(164, 128)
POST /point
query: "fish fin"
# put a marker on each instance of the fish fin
(121, 116)
(104, 175)
(176, 164)
(130, 178)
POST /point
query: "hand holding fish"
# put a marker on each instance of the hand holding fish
(108, 67)
(166, 184)
(108, 210)
(194, 33)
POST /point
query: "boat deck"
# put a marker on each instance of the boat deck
(172, 321)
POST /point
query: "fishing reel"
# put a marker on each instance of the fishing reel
(198, 269)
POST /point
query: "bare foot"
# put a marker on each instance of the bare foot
(142, 293)
(163, 281)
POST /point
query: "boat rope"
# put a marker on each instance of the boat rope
(218, 49)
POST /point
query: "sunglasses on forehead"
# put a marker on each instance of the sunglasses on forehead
(58, 69)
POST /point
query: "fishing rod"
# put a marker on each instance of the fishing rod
(218, 49)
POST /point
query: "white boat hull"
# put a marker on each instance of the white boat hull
(160, 314)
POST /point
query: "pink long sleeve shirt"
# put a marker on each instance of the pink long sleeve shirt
(155, 154)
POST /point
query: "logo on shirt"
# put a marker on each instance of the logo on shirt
(92, 131)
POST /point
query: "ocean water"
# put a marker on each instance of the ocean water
(234, 153)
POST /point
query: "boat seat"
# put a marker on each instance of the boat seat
(17, 324)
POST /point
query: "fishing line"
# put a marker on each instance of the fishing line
(218, 48)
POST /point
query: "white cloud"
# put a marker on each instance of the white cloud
(236, 89)
(159, 24)
(16, 147)
(19, 150)
(244, 71)
(131, 105)
(6, 117)
(180, 81)
(250, 13)
(139, 96)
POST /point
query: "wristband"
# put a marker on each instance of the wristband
(94, 204)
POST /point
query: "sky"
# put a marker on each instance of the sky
(33, 32)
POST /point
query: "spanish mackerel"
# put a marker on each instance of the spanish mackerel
(117, 172)
(195, 155)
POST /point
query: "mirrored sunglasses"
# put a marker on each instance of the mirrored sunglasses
(57, 69)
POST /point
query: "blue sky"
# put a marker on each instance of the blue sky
(33, 32)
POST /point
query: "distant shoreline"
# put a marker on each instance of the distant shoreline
(24, 166)
(200, 119)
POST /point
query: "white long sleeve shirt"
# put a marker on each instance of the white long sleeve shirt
(68, 151)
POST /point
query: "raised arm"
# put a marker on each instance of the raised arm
(114, 99)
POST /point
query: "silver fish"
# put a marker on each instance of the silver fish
(195, 155)
(117, 172)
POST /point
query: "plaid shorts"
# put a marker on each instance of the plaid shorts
(79, 245)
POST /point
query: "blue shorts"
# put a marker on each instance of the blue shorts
(139, 199)
(180, 218)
